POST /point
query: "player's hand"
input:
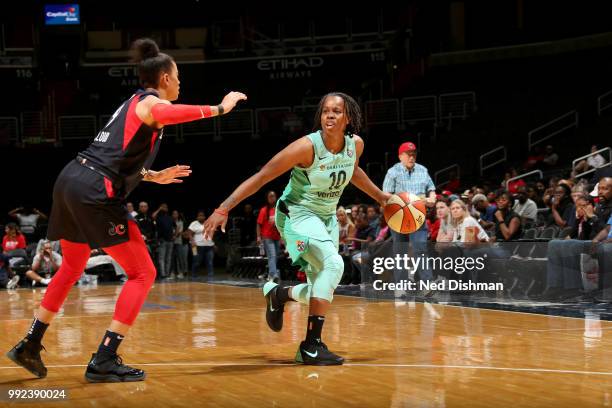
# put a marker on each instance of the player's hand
(171, 174)
(231, 99)
(384, 198)
(430, 202)
(211, 224)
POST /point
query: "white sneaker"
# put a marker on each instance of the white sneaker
(180, 276)
(13, 282)
(45, 281)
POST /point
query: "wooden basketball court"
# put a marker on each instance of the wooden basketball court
(209, 345)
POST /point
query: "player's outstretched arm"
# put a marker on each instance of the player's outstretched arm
(157, 112)
(361, 180)
(299, 153)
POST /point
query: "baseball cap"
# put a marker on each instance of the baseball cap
(407, 147)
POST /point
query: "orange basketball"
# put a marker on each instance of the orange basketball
(405, 212)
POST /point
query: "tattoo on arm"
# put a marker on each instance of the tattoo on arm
(228, 204)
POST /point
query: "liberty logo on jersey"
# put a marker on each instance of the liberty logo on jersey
(118, 229)
(301, 246)
(349, 152)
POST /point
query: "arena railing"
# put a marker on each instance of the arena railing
(10, 126)
(586, 156)
(269, 114)
(457, 105)
(77, 127)
(381, 112)
(604, 101)
(419, 108)
(552, 128)
(446, 170)
(521, 176)
(491, 152)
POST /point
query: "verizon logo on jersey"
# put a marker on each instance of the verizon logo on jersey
(332, 194)
(102, 137)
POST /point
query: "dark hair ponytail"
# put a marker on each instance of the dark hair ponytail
(152, 62)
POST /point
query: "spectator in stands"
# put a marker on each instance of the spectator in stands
(203, 249)
(165, 237)
(13, 243)
(346, 229)
(145, 223)
(441, 230)
(562, 207)
(46, 262)
(533, 195)
(28, 220)
(268, 235)
(513, 185)
(247, 224)
(534, 159)
(563, 275)
(454, 184)
(585, 209)
(525, 208)
(549, 192)
(484, 211)
(181, 244)
(507, 222)
(130, 209)
(373, 217)
(409, 176)
(384, 231)
(364, 235)
(550, 157)
(353, 213)
(8, 280)
(603, 251)
(465, 228)
(592, 162)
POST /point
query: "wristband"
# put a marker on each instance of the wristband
(221, 110)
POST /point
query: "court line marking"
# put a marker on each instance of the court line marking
(381, 365)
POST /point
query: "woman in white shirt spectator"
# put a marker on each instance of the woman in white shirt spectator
(203, 249)
(463, 226)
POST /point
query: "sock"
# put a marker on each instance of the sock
(37, 331)
(315, 326)
(110, 344)
(283, 295)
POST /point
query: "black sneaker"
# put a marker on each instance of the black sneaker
(111, 369)
(317, 354)
(274, 308)
(27, 355)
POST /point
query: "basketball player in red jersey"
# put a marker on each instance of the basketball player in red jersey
(88, 209)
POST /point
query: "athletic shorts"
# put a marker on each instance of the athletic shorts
(300, 228)
(86, 210)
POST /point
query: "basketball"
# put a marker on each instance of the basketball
(405, 213)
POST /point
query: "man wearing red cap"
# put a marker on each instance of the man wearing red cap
(409, 176)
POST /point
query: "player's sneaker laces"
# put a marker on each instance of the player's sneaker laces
(111, 369)
(317, 354)
(27, 355)
(274, 308)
